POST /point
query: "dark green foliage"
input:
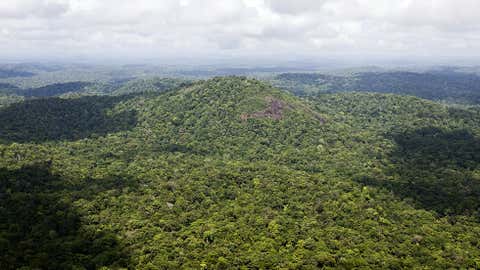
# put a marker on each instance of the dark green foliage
(51, 90)
(7, 73)
(151, 85)
(7, 94)
(81, 88)
(54, 89)
(211, 176)
(63, 119)
(447, 86)
(7, 88)
(436, 168)
(40, 228)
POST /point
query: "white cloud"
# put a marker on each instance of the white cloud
(235, 28)
(34, 8)
(295, 7)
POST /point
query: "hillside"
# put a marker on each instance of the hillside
(7, 73)
(81, 88)
(233, 173)
(150, 85)
(7, 94)
(445, 86)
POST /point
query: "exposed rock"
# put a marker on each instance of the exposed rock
(274, 110)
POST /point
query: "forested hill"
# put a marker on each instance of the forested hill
(451, 87)
(233, 173)
(7, 73)
(11, 94)
(80, 88)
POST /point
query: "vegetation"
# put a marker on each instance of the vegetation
(449, 87)
(7, 73)
(7, 88)
(54, 89)
(6, 100)
(78, 88)
(67, 119)
(150, 85)
(232, 173)
(40, 227)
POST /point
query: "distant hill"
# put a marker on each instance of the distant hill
(150, 85)
(8, 94)
(80, 88)
(8, 73)
(232, 173)
(6, 88)
(54, 89)
(444, 86)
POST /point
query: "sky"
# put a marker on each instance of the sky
(235, 30)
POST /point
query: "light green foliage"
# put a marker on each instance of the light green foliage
(337, 181)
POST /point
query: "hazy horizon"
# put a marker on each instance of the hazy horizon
(265, 32)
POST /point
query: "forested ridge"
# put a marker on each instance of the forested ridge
(6, 73)
(447, 86)
(10, 93)
(233, 173)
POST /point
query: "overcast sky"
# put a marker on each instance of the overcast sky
(239, 29)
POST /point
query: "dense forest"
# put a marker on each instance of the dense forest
(233, 173)
(451, 85)
(7, 73)
(11, 94)
(446, 86)
(53, 89)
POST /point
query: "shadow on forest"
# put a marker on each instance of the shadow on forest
(40, 228)
(435, 168)
(49, 119)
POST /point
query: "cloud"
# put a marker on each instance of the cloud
(295, 7)
(32, 8)
(236, 28)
